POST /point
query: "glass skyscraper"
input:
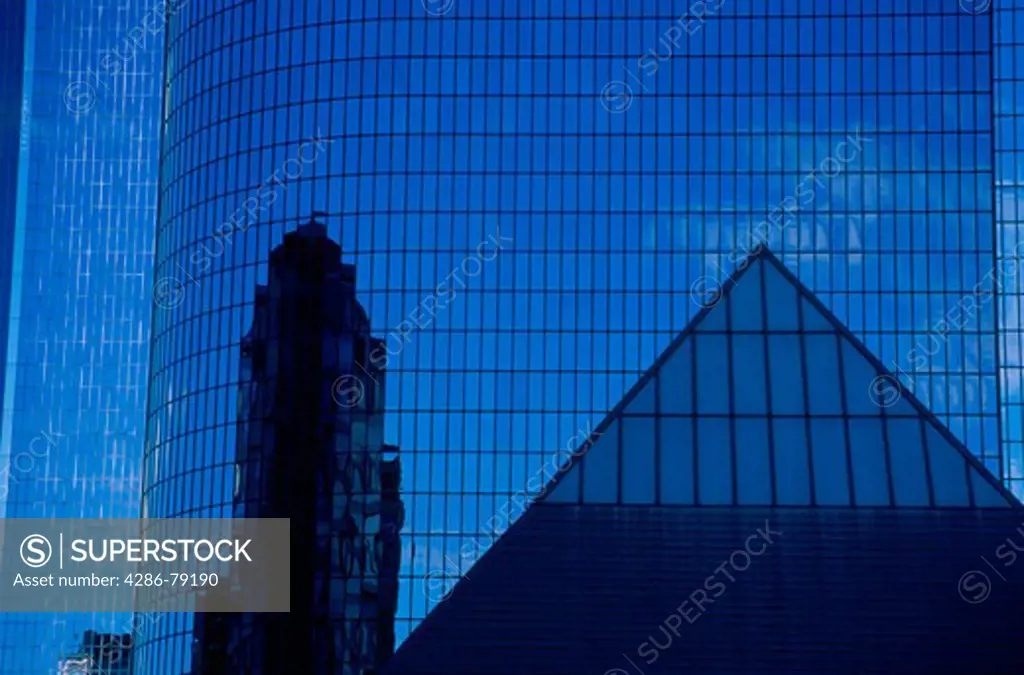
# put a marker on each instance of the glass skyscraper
(537, 198)
(80, 139)
(1008, 87)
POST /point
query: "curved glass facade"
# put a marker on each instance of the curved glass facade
(537, 197)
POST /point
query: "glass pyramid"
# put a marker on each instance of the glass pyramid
(767, 399)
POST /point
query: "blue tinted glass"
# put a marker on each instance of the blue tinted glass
(601, 468)
(676, 381)
(714, 461)
(80, 135)
(985, 493)
(814, 320)
(443, 128)
(645, 401)
(1008, 166)
(867, 452)
(712, 374)
(822, 355)
(638, 443)
(567, 491)
(716, 320)
(748, 374)
(753, 465)
(948, 469)
(859, 375)
(828, 452)
(787, 383)
(782, 301)
(676, 471)
(906, 453)
(745, 302)
(792, 472)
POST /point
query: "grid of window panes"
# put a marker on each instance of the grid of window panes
(760, 402)
(12, 31)
(1008, 75)
(81, 261)
(550, 189)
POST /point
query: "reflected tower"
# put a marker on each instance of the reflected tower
(310, 448)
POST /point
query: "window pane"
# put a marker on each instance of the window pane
(714, 465)
(745, 302)
(906, 450)
(645, 401)
(676, 460)
(782, 301)
(786, 375)
(748, 374)
(712, 374)
(753, 469)
(867, 452)
(949, 470)
(828, 445)
(792, 473)
(601, 468)
(822, 374)
(567, 491)
(638, 460)
(676, 381)
(985, 494)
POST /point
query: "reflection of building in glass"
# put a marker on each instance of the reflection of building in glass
(100, 654)
(444, 128)
(780, 519)
(310, 448)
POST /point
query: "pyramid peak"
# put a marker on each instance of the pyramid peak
(766, 398)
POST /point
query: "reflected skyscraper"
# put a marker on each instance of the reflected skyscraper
(310, 448)
(631, 152)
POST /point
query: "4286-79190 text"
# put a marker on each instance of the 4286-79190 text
(157, 580)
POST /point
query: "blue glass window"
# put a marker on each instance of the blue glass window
(712, 373)
(815, 321)
(745, 302)
(948, 469)
(601, 468)
(783, 308)
(822, 354)
(748, 374)
(985, 493)
(867, 455)
(638, 470)
(567, 490)
(676, 460)
(714, 461)
(753, 465)
(792, 472)
(907, 458)
(787, 383)
(858, 374)
(828, 452)
(646, 399)
(676, 381)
